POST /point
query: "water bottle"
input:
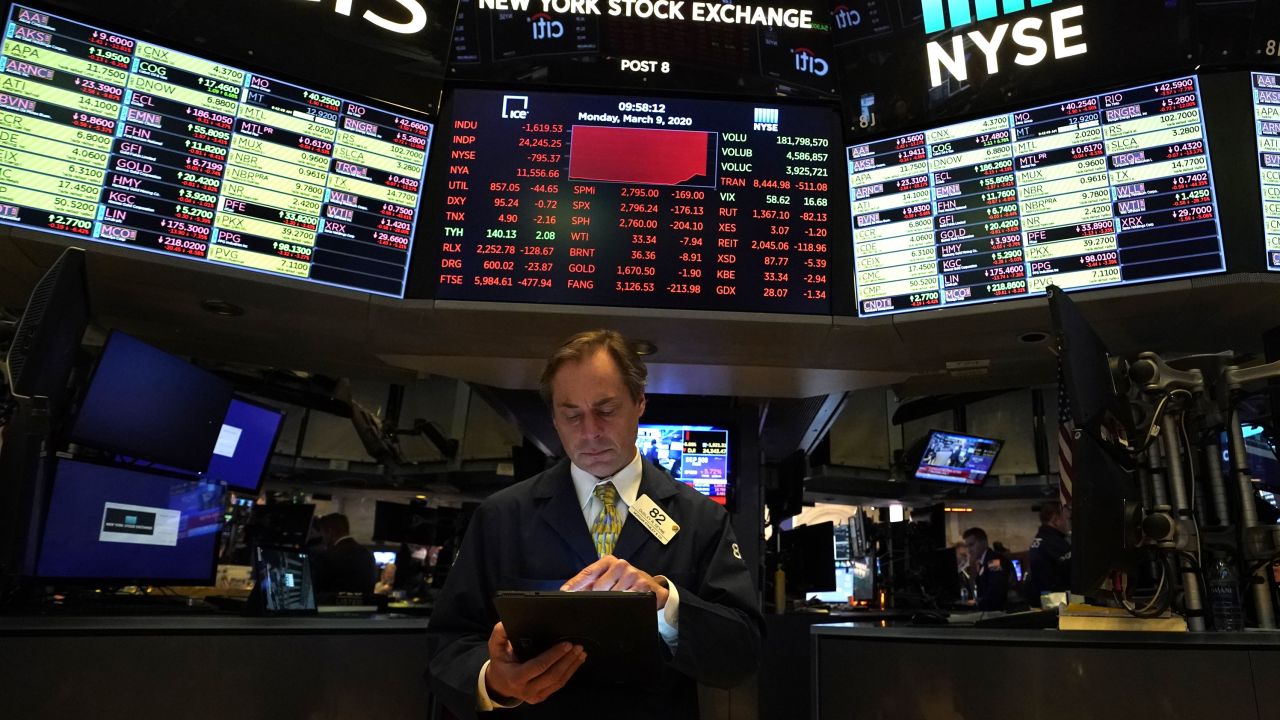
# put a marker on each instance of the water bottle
(1224, 598)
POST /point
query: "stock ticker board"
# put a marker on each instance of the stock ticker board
(1100, 190)
(120, 141)
(1266, 108)
(644, 202)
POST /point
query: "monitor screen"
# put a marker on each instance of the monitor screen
(1264, 468)
(1266, 108)
(125, 142)
(245, 443)
(150, 405)
(844, 587)
(639, 201)
(122, 524)
(808, 556)
(1101, 190)
(384, 557)
(284, 579)
(697, 455)
(961, 459)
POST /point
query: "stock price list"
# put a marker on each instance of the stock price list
(1266, 108)
(121, 141)
(597, 200)
(1100, 190)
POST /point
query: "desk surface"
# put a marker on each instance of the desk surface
(1268, 639)
(207, 625)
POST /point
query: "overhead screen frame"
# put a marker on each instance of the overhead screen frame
(1227, 118)
(423, 276)
(185, 46)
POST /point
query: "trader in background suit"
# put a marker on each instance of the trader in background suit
(345, 565)
(560, 530)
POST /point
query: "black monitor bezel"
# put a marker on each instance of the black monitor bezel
(929, 439)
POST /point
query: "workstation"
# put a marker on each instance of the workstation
(938, 352)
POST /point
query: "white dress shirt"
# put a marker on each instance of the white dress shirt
(627, 482)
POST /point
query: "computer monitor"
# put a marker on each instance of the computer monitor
(697, 455)
(844, 587)
(1105, 516)
(245, 443)
(1264, 468)
(149, 405)
(42, 354)
(384, 557)
(955, 458)
(281, 524)
(808, 556)
(282, 582)
(120, 525)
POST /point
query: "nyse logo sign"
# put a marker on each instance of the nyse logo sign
(807, 62)
(949, 59)
(766, 120)
(546, 27)
(415, 23)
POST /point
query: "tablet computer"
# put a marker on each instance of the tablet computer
(619, 630)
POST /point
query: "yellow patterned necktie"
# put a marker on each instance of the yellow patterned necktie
(604, 531)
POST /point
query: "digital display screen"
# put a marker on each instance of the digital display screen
(245, 443)
(122, 141)
(1101, 190)
(108, 522)
(284, 578)
(600, 200)
(697, 455)
(1266, 109)
(958, 459)
(147, 404)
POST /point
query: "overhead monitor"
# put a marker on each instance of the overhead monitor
(121, 141)
(1102, 190)
(245, 443)
(149, 405)
(697, 455)
(639, 201)
(961, 459)
(123, 525)
(1266, 108)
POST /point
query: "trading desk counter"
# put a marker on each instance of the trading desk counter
(870, 672)
(213, 667)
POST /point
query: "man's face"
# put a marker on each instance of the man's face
(976, 547)
(594, 414)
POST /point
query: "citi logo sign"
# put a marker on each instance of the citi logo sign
(546, 27)
(1027, 42)
(846, 18)
(962, 14)
(807, 62)
(766, 119)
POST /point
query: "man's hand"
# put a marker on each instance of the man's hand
(534, 681)
(610, 573)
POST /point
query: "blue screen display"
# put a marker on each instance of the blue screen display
(244, 445)
(113, 523)
(697, 455)
(959, 459)
(150, 405)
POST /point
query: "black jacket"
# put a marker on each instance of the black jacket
(992, 584)
(348, 566)
(532, 536)
(1049, 564)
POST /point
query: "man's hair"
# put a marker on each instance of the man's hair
(335, 523)
(585, 344)
(976, 532)
(1049, 511)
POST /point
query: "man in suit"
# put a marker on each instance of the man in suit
(567, 528)
(992, 571)
(345, 565)
(1050, 556)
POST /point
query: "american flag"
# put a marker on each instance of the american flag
(1066, 430)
